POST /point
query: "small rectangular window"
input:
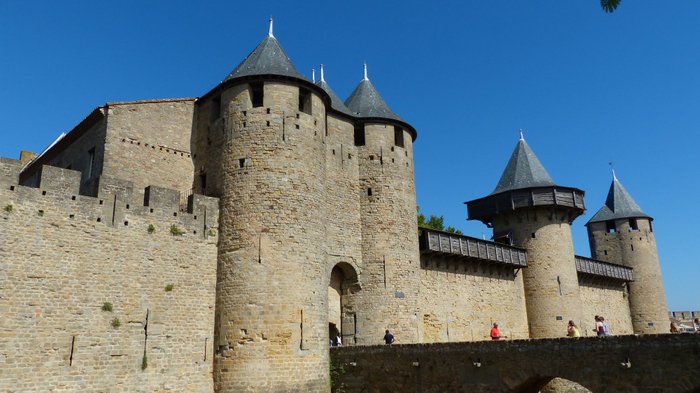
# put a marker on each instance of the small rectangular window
(304, 101)
(359, 134)
(91, 162)
(256, 94)
(398, 136)
(633, 224)
(610, 226)
(215, 109)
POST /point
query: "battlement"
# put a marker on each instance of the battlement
(58, 194)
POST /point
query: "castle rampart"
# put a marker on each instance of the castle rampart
(104, 294)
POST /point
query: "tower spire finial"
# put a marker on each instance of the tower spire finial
(365, 72)
(612, 168)
(313, 75)
(522, 137)
(269, 33)
(322, 78)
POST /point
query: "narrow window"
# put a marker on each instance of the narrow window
(215, 109)
(256, 94)
(651, 229)
(91, 162)
(359, 134)
(398, 136)
(633, 224)
(610, 226)
(369, 192)
(304, 101)
(203, 182)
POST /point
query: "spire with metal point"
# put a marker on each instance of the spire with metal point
(322, 78)
(365, 78)
(612, 168)
(313, 75)
(522, 137)
(269, 33)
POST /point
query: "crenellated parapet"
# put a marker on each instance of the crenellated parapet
(57, 194)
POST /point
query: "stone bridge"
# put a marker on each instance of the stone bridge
(650, 363)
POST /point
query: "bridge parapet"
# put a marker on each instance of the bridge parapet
(659, 363)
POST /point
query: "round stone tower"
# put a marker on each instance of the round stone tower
(390, 255)
(528, 210)
(620, 232)
(266, 130)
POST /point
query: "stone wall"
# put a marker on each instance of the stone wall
(82, 150)
(460, 300)
(550, 280)
(607, 298)
(100, 295)
(650, 363)
(148, 142)
(635, 248)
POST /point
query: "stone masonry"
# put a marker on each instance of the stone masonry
(214, 244)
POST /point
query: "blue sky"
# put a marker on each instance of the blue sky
(587, 88)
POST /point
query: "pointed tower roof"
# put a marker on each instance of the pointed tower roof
(525, 184)
(336, 102)
(268, 58)
(365, 101)
(524, 170)
(619, 204)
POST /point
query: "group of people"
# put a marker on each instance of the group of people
(676, 329)
(601, 329)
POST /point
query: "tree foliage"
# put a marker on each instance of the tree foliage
(435, 222)
(609, 5)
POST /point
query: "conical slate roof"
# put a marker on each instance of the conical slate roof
(365, 101)
(524, 170)
(336, 102)
(268, 58)
(619, 204)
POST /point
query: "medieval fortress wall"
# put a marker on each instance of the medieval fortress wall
(308, 227)
(64, 256)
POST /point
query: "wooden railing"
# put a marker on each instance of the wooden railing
(603, 269)
(432, 241)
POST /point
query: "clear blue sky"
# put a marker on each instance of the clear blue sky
(587, 87)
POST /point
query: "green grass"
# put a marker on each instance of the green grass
(176, 231)
(107, 306)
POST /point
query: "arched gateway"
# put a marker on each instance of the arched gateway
(342, 318)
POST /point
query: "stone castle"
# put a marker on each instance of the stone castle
(216, 243)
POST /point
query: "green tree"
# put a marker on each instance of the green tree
(435, 222)
(609, 5)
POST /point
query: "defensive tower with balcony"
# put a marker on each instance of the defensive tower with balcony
(529, 210)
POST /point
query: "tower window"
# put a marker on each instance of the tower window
(203, 182)
(91, 162)
(398, 136)
(651, 229)
(610, 226)
(633, 224)
(359, 134)
(304, 101)
(215, 109)
(256, 94)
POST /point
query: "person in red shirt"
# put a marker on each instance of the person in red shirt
(495, 333)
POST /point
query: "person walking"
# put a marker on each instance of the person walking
(496, 333)
(572, 330)
(388, 337)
